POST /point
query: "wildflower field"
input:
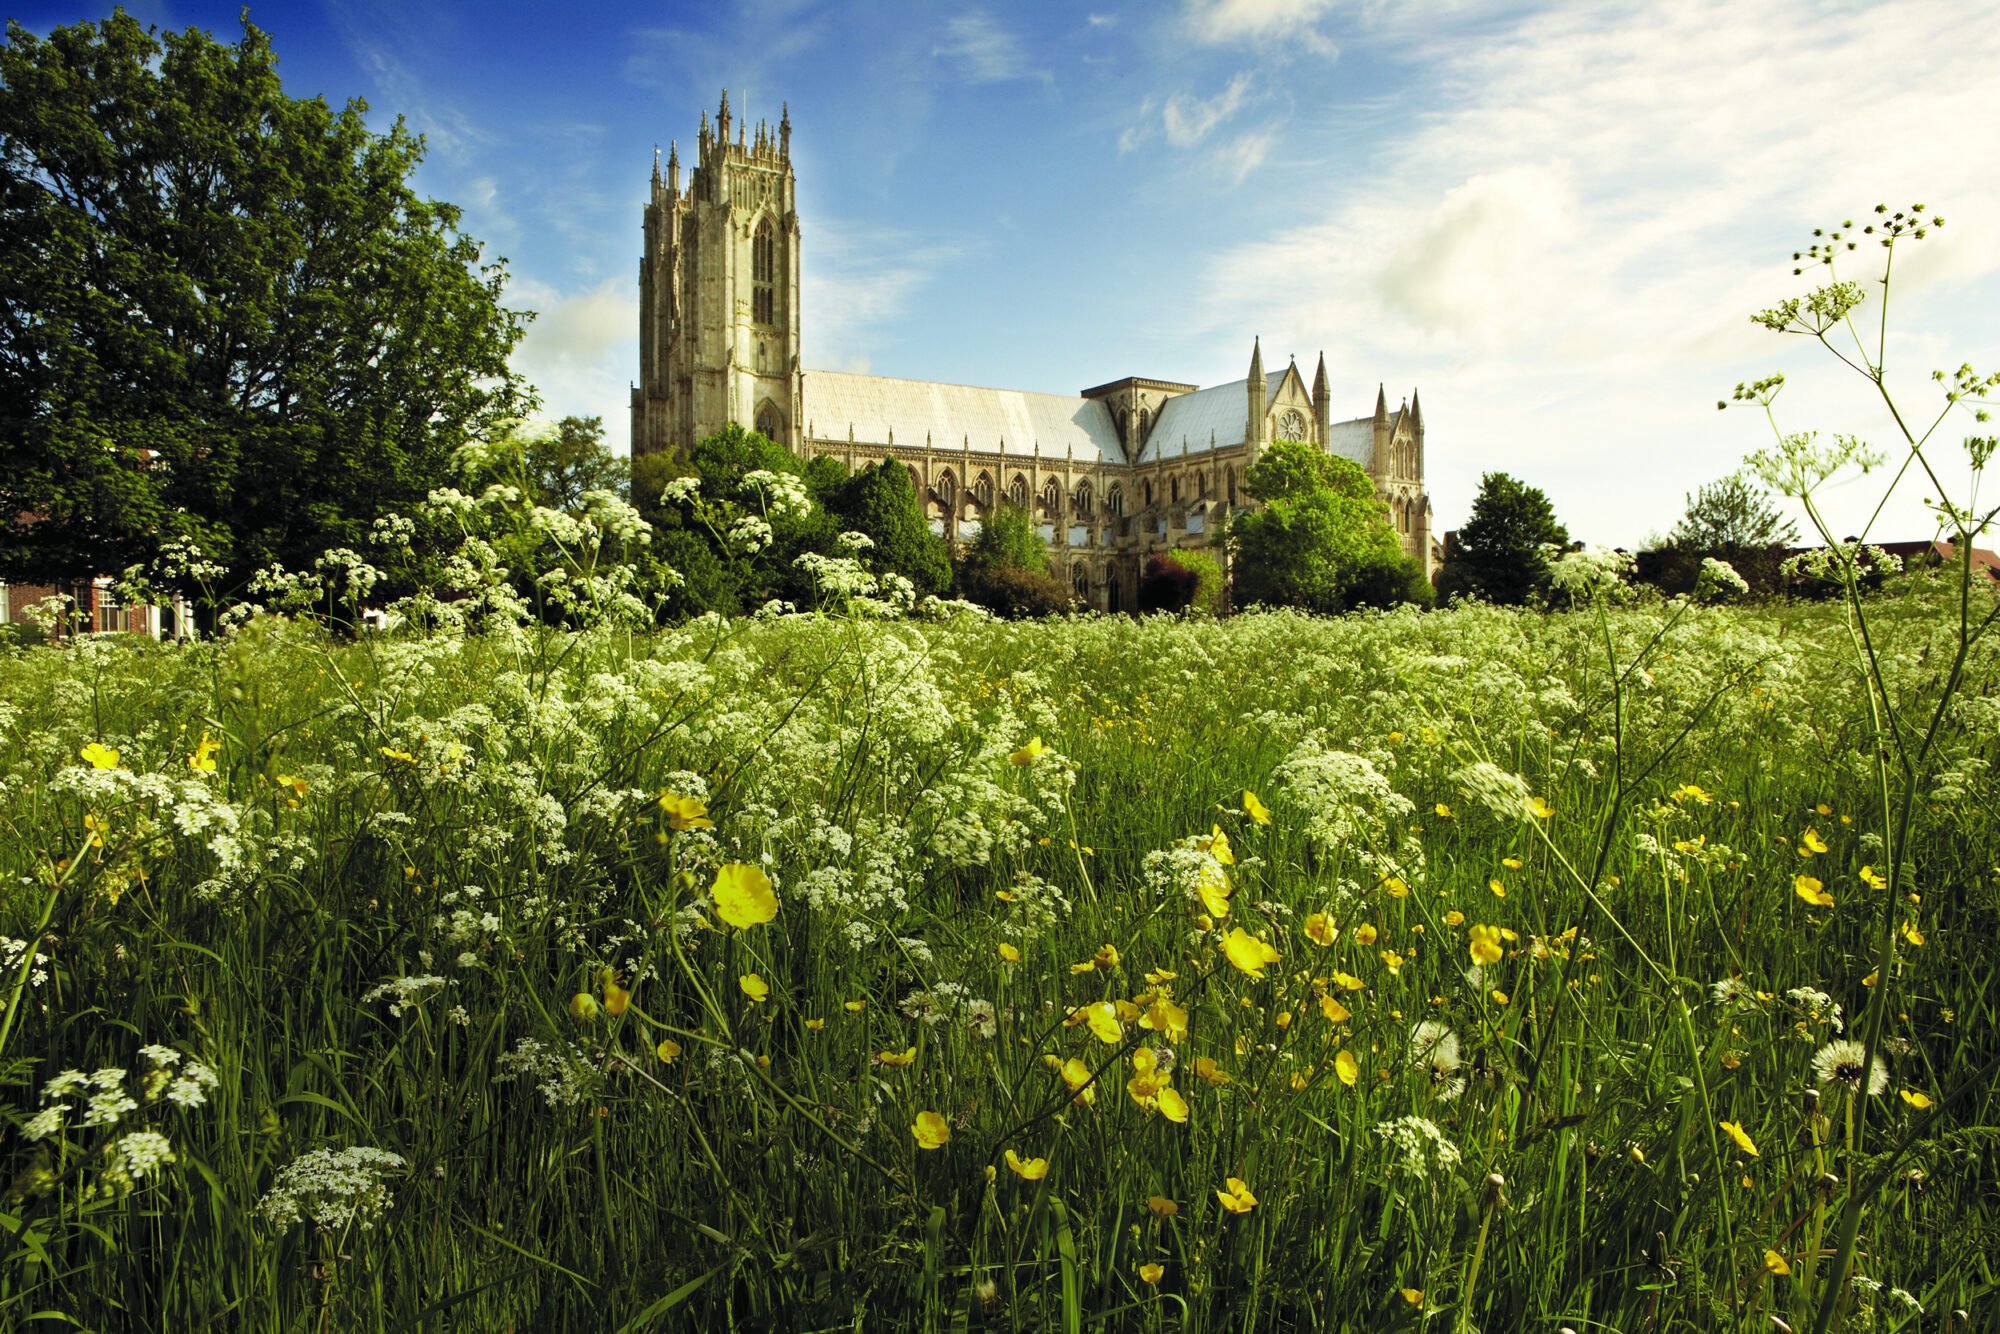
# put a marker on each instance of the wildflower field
(1469, 970)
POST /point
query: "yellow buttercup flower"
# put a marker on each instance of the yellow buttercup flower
(1874, 879)
(1237, 1199)
(1029, 753)
(1347, 981)
(1212, 887)
(298, 786)
(1498, 996)
(1346, 1068)
(1689, 792)
(391, 753)
(1775, 1263)
(755, 987)
(1320, 930)
(1335, 1012)
(616, 998)
(1912, 934)
(1498, 887)
(668, 1051)
(1216, 845)
(1248, 953)
(1812, 891)
(1208, 1072)
(897, 1058)
(930, 1130)
(1103, 1021)
(203, 759)
(99, 756)
(685, 812)
(1255, 808)
(1150, 1273)
(1009, 953)
(1028, 1169)
(1735, 1131)
(1173, 1106)
(1394, 887)
(583, 1007)
(1917, 1098)
(1485, 945)
(1443, 811)
(743, 896)
(1159, 1206)
(1540, 809)
(1165, 1018)
(1106, 957)
(1075, 1073)
(854, 1006)
(1365, 934)
(1414, 1297)
(1810, 842)
(815, 1025)
(1454, 918)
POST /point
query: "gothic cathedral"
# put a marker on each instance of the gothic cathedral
(1113, 473)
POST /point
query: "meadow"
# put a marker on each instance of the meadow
(1480, 969)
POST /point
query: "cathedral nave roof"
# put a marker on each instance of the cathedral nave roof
(875, 407)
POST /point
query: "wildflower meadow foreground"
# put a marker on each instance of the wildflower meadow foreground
(1470, 970)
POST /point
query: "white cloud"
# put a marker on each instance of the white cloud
(1566, 244)
(581, 351)
(1260, 22)
(985, 51)
(856, 285)
(1189, 119)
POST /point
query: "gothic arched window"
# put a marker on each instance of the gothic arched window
(1052, 500)
(1082, 500)
(1017, 492)
(770, 424)
(946, 491)
(1174, 490)
(764, 272)
(1082, 582)
(1114, 501)
(1229, 480)
(1149, 493)
(1145, 423)
(982, 491)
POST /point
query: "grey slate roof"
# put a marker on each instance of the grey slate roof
(1195, 423)
(1353, 440)
(949, 415)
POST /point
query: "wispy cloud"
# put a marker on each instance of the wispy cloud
(985, 52)
(1260, 22)
(859, 285)
(1592, 202)
(1188, 119)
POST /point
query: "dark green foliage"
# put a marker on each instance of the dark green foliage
(1006, 567)
(224, 314)
(556, 466)
(881, 501)
(1392, 583)
(1167, 585)
(1498, 553)
(1017, 592)
(1316, 539)
(1731, 514)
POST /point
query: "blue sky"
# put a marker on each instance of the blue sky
(1554, 219)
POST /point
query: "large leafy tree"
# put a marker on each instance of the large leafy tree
(881, 501)
(1006, 566)
(1498, 553)
(1731, 514)
(557, 466)
(1320, 538)
(224, 314)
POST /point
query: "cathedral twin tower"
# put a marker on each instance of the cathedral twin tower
(1116, 472)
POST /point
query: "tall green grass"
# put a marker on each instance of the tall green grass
(1658, 980)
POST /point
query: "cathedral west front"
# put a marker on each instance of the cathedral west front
(1112, 473)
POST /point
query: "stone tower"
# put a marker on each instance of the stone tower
(719, 292)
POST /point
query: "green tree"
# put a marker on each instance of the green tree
(1731, 514)
(1498, 553)
(1319, 536)
(556, 466)
(881, 501)
(224, 314)
(1006, 566)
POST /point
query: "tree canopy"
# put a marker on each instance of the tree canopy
(1498, 553)
(224, 314)
(1321, 539)
(1731, 514)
